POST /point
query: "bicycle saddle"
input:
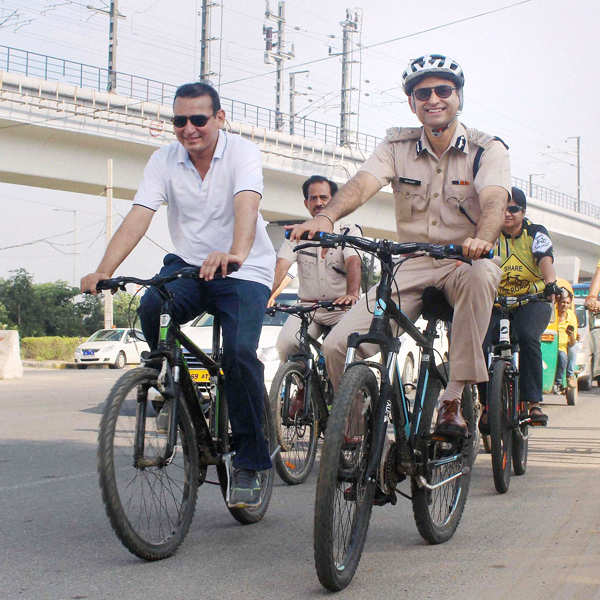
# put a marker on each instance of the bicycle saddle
(435, 305)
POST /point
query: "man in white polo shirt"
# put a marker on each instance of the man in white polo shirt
(212, 184)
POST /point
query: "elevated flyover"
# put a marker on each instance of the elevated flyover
(58, 135)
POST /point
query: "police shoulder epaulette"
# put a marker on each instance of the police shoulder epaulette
(481, 139)
(402, 134)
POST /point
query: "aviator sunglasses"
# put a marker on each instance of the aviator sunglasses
(513, 209)
(441, 91)
(196, 120)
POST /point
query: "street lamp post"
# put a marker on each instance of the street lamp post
(578, 138)
(531, 176)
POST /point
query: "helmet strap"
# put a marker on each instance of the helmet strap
(440, 130)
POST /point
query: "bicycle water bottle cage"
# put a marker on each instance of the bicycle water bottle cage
(435, 305)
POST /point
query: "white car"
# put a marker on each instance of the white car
(200, 332)
(410, 353)
(112, 347)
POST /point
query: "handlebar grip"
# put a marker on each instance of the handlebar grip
(458, 249)
(318, 235)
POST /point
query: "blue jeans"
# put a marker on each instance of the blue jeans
(527, 325)
(566, 360)
(240, 305)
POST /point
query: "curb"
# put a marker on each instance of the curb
(49, 364)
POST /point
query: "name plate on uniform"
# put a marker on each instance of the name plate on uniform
(200, 375)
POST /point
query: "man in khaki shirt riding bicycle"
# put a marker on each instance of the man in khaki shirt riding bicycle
(451, 185)
(333, 275)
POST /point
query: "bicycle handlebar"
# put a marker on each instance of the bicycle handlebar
(297, 309)
(118, 283)
(516, 301)
(384, 247)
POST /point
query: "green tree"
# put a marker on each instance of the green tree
(22, 307)
(368, 277)
(125, 309)
(3, 317)
(59, 316)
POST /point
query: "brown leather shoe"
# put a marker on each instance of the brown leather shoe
(450, 422)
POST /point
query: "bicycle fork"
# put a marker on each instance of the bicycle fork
(168, 385)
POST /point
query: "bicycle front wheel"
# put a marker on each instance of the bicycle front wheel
(296, 434)
(446, 469)
(344, 496)
(520, 442)
(150, 502)
(500, 426)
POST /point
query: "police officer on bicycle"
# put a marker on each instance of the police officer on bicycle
(451, 184)
(526, 255)
(333, 275)
(212, 184)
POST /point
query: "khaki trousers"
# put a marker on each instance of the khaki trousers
(287, 341)
(470, 289)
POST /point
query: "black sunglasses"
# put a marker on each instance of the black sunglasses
(196, 120)
(513, 209)
(441, 91)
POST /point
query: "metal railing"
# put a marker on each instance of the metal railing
(32, 64)
(560, 199)
(141, 88)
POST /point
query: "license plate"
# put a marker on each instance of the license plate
(88, 352)
(200, 375)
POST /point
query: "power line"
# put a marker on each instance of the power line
(396, 39)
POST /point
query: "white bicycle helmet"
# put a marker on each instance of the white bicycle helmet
(432, 65)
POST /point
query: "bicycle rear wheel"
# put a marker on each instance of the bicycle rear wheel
(297, 435)
(438, 511)
(150, 507)
(500, 426)
(247, 516)
(344, 497)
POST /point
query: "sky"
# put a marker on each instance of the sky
(523, 63)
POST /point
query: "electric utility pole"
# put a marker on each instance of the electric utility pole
(205, 40)
(114, 15)
(350, 27)
(278, 55)
(293, 94)
(108, 299)
(577, 138)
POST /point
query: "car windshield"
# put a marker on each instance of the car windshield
(277, 320)
(107, 335)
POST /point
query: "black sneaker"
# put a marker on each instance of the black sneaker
(537, 417)
(245, 489)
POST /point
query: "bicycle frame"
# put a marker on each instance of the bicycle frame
(176, 383)
(508, 350)
(406, 428)
(305, 356)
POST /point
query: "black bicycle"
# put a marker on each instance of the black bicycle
(300, 397)
(149, 477)
(508, 418)
(376, 438)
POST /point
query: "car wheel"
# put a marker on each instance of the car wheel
(585, 383)
(120, 362)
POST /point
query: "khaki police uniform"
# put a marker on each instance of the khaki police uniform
(319, 278)
(431, 197)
